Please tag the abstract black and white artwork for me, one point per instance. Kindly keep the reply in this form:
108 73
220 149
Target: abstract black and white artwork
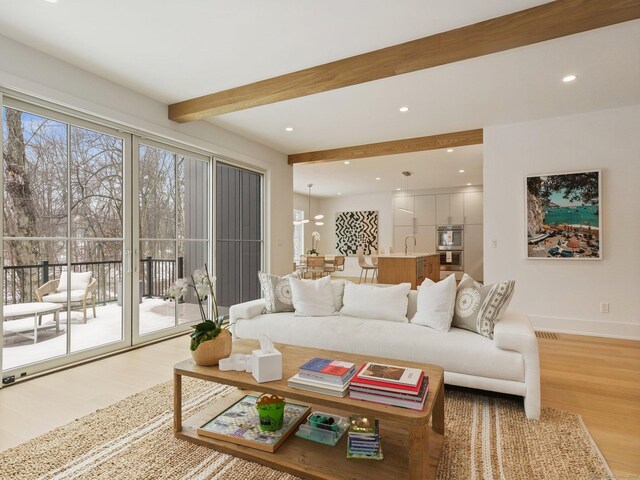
355 230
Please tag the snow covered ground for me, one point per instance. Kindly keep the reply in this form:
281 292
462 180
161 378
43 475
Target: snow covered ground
155 314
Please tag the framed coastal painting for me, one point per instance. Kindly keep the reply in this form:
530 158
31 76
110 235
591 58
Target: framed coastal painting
357 230
564 216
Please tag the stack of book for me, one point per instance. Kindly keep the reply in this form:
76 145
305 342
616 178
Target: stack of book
390 385
364 438
321 375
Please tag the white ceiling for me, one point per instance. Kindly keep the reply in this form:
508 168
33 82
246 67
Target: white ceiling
172 51
432 169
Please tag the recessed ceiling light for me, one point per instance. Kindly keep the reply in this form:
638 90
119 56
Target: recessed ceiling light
347 162
288 129
404 109
468 184
449 150
460 171
569 78
52 1
339 193
377 178
398 188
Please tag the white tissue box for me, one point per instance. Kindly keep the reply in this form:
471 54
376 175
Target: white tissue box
266 367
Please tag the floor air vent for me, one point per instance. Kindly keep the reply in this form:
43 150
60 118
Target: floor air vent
547 335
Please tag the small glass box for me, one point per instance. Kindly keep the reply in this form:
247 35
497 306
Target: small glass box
311 430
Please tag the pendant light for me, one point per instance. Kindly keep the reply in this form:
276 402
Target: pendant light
316 218
406 193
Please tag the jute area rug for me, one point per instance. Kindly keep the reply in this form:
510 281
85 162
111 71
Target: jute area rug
486 438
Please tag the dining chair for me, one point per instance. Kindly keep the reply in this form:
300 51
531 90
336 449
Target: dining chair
337 265
315 265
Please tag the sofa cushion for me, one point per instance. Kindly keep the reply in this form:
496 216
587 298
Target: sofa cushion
277 292
458 350
436 302
337 289
479 307
369 301
312 298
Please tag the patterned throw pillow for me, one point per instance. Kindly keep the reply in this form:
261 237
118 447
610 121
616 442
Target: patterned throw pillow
479 307
277 292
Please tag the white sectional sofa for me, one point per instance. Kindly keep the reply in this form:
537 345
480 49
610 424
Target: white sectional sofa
508 363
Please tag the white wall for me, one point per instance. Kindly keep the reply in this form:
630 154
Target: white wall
330 206
566 295
30 71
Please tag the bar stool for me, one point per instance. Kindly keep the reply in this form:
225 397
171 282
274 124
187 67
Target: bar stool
365 267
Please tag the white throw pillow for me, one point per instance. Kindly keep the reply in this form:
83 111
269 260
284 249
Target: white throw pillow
79 281
312 298
436 304
380 303
337 287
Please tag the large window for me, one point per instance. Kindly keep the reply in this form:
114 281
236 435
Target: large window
98 223
173 213
63 235
239 242
298 234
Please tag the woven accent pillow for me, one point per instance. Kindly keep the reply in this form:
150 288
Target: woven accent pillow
479 307
277 292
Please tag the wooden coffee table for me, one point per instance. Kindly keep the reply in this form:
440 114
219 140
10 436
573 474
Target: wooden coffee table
410 444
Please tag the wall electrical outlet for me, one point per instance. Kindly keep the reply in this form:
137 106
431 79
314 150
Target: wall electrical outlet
604 307
493 243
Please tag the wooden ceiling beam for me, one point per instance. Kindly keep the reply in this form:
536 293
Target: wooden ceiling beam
526 27
393 147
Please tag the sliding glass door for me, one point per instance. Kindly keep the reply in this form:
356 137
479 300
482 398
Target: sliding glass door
174 230
64 212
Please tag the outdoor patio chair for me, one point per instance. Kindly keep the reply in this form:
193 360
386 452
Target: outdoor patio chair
82 291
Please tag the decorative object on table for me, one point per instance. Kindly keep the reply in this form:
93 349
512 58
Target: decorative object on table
356 230
277 292
364 438
315 238
564 216
266 363
320 375
390 385
210 341
479 307
270 412
237 362
325 428
240 424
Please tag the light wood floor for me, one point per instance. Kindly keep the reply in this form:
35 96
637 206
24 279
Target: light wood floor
595 377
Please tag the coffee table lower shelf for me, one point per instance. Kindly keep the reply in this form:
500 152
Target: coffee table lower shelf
312 460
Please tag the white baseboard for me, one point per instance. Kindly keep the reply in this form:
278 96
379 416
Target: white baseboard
593 328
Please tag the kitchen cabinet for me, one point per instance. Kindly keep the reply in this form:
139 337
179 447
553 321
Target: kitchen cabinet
413 269
473 208
424 209
401 217
425 238
449 209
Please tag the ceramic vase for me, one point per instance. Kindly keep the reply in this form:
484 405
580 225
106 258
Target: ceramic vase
210 352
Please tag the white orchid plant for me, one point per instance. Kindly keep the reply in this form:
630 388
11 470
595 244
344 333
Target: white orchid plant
203 286
315 238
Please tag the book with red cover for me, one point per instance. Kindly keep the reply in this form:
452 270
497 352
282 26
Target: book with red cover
325 367
394 387
388 392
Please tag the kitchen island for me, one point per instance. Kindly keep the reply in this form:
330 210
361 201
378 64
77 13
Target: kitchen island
410 268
